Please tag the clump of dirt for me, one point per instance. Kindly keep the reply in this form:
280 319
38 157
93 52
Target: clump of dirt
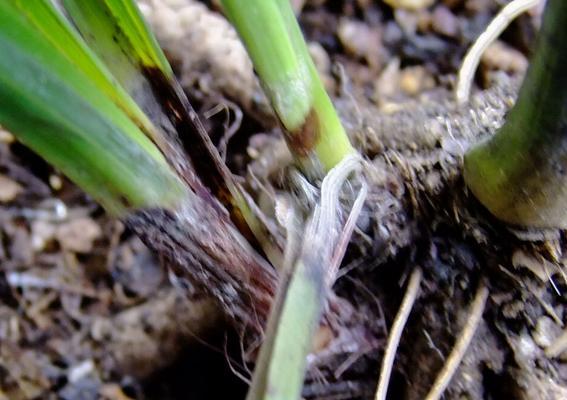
420 214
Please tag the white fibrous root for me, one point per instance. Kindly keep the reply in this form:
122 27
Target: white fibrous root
491 33
206 51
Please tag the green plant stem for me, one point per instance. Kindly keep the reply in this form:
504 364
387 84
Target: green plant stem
520 174
294 318
277 48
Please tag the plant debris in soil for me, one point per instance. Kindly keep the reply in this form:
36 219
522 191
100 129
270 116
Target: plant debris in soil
88 312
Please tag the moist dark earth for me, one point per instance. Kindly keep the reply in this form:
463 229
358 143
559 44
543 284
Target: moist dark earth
88 312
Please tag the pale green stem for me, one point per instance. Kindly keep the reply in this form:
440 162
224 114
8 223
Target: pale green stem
311 260
278 50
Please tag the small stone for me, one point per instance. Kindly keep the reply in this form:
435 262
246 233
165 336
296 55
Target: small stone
361 40
78 235
322 338
546 331
320 57
407 21
392 35
42 232
322 63
80 371
6 137
388 83
478 6
9 189
445 22
526 349
502 57
55 182
413 5
414 80
424 21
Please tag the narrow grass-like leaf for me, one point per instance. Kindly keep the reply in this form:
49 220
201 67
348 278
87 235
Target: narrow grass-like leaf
53 108
116 31
31 40
52 26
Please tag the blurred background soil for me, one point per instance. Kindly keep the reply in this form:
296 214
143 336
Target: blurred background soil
87 312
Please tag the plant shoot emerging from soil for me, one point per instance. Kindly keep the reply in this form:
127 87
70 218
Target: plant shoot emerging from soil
520 174
275 43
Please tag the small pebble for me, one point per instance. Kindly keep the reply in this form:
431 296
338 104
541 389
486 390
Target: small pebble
78 235
407 20
478 6
9 189
414 80
445 22
388 83
502 57
322 63
361 41
413 5
546 332
55 182
6 137
42 232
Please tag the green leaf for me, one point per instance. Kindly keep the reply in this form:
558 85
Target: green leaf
58 31
53 107
117 33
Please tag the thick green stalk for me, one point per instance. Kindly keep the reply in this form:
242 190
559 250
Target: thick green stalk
277 48
520 174
53 107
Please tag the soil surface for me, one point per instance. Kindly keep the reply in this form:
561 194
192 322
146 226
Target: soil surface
88 312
